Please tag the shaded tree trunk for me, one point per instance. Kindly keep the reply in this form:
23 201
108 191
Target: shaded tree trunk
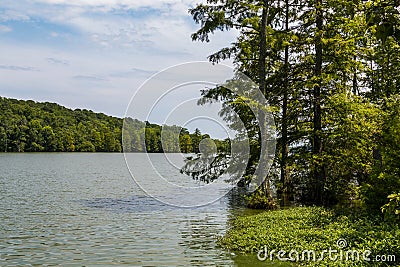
262 86
285 145
318 171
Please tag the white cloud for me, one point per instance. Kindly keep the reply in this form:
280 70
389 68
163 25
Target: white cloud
54 34
57 61
134 72
136 4
4 28
13 15
164 28
17 68
101 48
89 78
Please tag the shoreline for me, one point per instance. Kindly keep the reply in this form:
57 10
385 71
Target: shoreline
284 235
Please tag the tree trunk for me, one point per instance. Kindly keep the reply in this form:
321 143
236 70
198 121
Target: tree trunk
263 49
262 86
285 145
318 171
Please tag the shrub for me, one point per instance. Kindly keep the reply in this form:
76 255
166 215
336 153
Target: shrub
258 200
392 209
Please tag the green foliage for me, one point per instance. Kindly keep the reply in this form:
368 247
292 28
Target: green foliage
353 126
384 178
258 200
312 228
392 209
86 146
34 127
332 77
186 143
383 16
205 167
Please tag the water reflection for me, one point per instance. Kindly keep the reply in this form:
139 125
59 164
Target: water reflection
200 235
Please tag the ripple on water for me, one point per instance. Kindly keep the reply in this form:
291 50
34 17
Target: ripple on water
85 210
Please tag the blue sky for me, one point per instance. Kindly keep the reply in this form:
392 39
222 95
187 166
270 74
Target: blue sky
93 54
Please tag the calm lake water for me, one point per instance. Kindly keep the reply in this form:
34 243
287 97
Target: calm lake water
75 209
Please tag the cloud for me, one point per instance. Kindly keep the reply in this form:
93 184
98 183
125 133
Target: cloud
122 4
143 72
160 27
107 22
89 78
4 28
13 15
134 72
54 34
17 68
57 61
110 47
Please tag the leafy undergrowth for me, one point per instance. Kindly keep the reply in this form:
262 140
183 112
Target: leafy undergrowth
302 229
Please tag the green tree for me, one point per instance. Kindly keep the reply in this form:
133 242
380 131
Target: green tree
185 143
86 146
354 126
35 138
196 138
384 179
96 140
306 56
49 139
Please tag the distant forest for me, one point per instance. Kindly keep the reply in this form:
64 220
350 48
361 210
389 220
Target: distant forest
29 126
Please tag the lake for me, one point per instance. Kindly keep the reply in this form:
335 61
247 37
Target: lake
82 209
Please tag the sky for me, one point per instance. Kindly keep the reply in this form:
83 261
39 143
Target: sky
94 54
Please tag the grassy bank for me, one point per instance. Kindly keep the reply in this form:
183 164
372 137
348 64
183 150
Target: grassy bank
298 230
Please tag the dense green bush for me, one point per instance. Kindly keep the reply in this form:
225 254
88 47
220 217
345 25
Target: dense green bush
384 178
392 209
258 200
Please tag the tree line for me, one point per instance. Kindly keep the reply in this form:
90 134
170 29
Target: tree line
29 126
330 72
141 136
